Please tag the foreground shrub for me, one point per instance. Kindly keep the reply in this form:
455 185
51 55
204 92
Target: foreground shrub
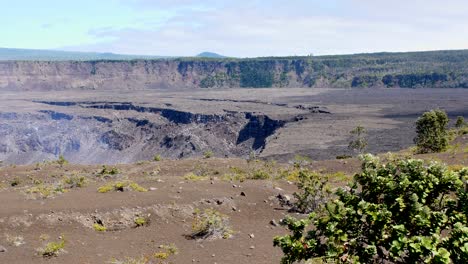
431 129
400 212
210 224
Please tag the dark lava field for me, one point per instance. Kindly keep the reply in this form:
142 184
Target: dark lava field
128 126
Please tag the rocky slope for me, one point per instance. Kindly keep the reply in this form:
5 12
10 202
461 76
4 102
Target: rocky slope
444 69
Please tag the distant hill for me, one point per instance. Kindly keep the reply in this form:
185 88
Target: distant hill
57 55
210 55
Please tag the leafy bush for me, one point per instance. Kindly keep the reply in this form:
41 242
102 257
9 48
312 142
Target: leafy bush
400 212
431 129
313 192
460 122
210 224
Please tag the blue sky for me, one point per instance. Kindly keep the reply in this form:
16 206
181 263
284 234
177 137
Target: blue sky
235 28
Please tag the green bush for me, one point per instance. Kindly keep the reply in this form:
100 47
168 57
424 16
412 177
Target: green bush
460 122
431 129
400 212
313 191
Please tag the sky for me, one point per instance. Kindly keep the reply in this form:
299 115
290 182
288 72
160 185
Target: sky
237 28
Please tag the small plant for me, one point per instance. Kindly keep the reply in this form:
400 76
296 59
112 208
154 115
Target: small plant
121 186
108 171
157 157
45 191
136 187
252 156
99 228
52 249
62 161
359 141
340 157
106 188
193 177
75 181
140 221
14 240
259 174
44 237
127 260
208 154
235 174
168 251
210 224
300 161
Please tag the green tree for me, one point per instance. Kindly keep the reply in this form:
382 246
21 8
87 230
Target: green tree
431 129
401 212
359 142
460 122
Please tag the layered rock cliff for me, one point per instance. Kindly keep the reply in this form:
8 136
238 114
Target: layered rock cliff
445 69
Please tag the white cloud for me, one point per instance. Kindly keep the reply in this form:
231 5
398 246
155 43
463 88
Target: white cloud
261 28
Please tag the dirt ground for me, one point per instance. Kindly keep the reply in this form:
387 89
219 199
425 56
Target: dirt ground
28 221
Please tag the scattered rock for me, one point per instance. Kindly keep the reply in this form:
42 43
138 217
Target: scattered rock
234 208
251 235
242 194
2 249
284 200
252 247
273 223
153 189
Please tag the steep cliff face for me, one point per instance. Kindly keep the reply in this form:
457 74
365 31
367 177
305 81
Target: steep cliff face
83 136
444 69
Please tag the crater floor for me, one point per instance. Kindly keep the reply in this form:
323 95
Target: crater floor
91 127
